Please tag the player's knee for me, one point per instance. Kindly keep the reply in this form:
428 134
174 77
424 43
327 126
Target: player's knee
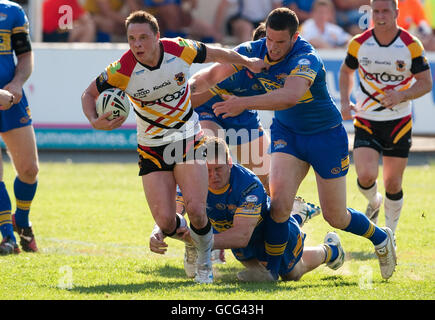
366 179
393 185
280 210
196 211
335 219
29 173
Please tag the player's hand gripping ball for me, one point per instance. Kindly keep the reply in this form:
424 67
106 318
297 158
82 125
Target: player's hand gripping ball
114 100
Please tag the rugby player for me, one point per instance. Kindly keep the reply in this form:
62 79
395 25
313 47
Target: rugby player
388 59
154 73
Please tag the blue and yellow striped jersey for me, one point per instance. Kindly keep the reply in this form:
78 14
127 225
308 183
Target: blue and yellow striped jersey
243 196
13 20
316 111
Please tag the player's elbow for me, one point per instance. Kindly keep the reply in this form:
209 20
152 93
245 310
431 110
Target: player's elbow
242 239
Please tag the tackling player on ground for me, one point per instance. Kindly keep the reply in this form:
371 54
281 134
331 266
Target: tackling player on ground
239 210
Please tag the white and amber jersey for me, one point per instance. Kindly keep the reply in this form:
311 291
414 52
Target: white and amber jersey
382 68
160 95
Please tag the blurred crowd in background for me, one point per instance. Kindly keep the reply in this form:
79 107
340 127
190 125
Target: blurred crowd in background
325 23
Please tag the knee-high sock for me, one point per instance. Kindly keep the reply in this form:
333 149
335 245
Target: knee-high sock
24 194
370 193
276 238
6 228
393 204
362 226
203 239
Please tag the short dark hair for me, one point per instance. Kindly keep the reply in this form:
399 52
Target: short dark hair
259 32
283 19
142 16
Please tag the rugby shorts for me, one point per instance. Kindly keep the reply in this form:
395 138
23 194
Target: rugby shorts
391 138
326 151
242 129
292 253
165 157
16 116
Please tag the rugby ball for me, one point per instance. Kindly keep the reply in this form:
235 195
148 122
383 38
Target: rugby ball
114 100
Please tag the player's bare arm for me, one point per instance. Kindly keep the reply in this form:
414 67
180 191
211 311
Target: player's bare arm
421 86
88 104
280 99
346 83
23 71
227 56
238 235
208 77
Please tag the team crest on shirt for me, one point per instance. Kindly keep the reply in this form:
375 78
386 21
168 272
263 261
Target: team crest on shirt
400 65
180 78
3 16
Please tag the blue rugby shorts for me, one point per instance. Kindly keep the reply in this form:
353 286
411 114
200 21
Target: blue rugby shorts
327 151
242 129
16 116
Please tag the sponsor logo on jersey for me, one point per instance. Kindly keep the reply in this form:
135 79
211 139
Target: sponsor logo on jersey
384 77
141 93
365 61
251 198
304 62
167 98
164 84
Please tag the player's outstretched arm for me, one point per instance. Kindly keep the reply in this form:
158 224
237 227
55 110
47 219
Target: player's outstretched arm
207 78
89 109
279 99
228 56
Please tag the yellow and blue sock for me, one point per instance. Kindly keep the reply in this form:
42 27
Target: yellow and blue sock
362 226
276 238
331 252
6 228
24 194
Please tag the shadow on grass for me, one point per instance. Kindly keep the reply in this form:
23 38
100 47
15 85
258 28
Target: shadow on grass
360 255
225 282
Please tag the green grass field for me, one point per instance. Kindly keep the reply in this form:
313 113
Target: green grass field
92 225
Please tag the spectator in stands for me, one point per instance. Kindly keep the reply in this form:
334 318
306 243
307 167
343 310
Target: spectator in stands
250 13
348 14
109 16
176 20
56 24
319 31
302 8
413 19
